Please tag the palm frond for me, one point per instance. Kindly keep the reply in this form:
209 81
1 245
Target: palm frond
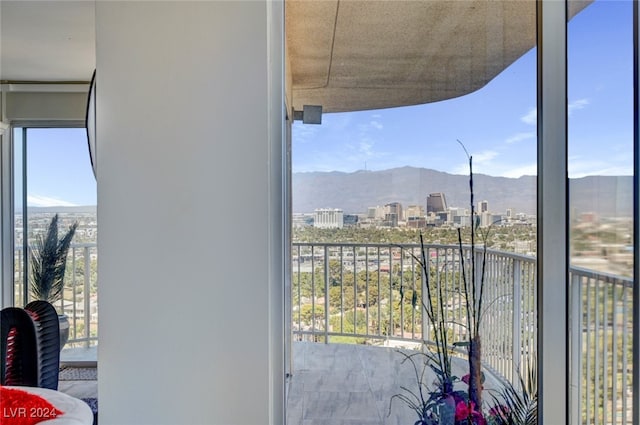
521 402
48 257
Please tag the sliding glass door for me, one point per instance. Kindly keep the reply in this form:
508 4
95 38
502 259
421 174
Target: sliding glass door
53 177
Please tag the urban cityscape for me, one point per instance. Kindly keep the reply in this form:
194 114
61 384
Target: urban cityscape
598 243
436 213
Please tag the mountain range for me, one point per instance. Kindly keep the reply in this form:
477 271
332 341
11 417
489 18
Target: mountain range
355 192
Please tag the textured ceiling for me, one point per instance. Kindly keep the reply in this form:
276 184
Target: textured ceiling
344 55
355 55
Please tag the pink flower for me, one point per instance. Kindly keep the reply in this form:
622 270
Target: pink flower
464 411
467 378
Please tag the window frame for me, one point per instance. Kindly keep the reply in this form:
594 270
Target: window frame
8 200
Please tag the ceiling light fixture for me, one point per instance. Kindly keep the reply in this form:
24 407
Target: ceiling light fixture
310 114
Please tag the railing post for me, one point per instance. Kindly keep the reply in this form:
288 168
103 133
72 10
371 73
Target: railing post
575 344
425 320
326 294
87 295
478 255
516 353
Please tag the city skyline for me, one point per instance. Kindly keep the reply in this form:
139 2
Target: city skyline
497 123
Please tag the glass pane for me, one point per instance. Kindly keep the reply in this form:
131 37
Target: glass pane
59 182
367 184
600 108
19 254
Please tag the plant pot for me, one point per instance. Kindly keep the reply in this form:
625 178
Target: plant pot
63 321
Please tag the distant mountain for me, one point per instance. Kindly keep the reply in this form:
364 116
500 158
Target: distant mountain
78 209
604 195
355 192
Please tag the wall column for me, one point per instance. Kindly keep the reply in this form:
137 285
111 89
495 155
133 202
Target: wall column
189 104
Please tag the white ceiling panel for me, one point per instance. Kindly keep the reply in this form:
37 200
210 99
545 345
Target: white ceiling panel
47 40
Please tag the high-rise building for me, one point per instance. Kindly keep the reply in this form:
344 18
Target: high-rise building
486 219
414 211
393 214
350 219
436 202
483 206
416 222
390 220
325 218
302 220
376 212
394 208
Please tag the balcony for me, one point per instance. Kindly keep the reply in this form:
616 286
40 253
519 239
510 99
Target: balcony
361 359
81 310
380 310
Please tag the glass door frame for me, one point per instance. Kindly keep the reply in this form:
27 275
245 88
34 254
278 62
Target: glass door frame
8 199
552 261
557 405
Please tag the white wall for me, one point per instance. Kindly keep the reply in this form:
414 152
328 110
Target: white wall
189 131
51 106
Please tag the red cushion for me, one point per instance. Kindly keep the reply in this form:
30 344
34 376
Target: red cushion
19 407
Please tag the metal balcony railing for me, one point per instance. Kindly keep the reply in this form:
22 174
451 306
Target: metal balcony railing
364 293
79 302
601 344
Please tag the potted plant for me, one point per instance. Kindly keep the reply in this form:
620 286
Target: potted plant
441 404
48 257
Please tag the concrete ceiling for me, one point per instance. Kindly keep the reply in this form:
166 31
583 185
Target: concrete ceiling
354 55
344 55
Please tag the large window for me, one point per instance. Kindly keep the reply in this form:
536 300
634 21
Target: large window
53 176
600 149
368 184
561 264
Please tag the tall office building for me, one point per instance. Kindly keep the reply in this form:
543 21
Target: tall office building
486 219
325 218
393 214
394 208
436 202
414 211
483 206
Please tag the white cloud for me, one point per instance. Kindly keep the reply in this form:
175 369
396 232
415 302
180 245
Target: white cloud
530 117
365 148
519 137
44 201
580 168
460 169
577 104
483 157
304 133
482 161
376 124
497 168
523 170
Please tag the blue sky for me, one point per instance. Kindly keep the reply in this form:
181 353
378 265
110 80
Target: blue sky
59 168
498 122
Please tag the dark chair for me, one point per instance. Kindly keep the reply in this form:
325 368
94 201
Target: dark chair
18 348
45 317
